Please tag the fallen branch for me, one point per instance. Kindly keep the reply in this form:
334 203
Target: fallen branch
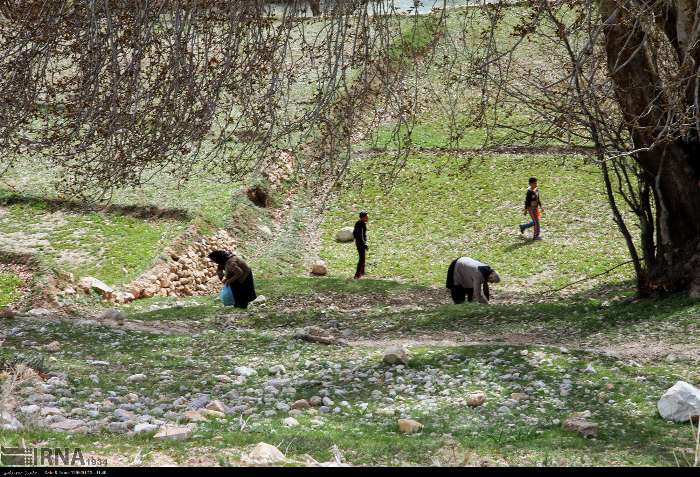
589 278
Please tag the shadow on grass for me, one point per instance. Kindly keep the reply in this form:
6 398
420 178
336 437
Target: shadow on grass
137 211
522 243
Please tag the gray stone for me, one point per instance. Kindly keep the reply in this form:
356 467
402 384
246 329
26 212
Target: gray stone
93 284
244 371
199 402
8 422
344 235
277 369
118 427
123 415
136 378
290 422
680 403
174 433
29 410
68 425
144 427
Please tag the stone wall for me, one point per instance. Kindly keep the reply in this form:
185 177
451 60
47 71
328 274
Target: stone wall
185 273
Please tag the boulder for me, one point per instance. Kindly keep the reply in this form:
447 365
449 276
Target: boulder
680 403
88 284
396 355
409 426
344 235
264 453
319 268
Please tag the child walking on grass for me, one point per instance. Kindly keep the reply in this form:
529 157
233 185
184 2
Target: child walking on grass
533 206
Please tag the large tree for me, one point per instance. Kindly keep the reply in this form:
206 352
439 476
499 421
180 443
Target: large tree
620 76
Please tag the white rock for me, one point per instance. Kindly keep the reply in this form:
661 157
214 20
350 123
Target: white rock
277 369
177 433
264 453
144 427
31 409
344 235
39 312
8 422
92 283
136 378
680 402
290 422
244 371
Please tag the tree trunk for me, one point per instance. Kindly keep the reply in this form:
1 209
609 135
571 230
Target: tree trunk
315 7
677 193
671 167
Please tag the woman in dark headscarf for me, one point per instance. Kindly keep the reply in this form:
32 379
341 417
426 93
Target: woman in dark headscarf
236 274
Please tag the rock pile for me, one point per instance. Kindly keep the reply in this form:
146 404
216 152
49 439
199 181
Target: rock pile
187 273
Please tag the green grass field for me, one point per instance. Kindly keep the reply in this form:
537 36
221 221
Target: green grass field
439 210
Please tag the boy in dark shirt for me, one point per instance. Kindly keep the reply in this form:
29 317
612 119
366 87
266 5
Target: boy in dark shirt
533 206
360 235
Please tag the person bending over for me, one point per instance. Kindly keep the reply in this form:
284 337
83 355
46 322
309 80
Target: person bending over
235 274
466 277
